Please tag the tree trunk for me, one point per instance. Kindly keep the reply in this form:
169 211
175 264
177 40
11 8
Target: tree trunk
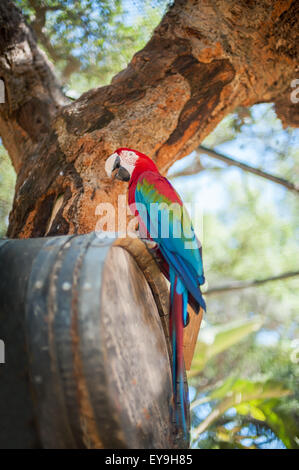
204 59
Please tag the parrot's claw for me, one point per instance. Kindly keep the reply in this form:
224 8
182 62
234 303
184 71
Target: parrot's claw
150 245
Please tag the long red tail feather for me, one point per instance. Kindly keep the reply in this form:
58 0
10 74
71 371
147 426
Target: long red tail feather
178 311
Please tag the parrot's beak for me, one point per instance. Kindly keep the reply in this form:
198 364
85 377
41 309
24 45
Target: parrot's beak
122 174
115 170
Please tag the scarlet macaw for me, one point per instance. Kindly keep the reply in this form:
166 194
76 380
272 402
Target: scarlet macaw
163 218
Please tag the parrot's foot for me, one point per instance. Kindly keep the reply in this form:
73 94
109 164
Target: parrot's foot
150 245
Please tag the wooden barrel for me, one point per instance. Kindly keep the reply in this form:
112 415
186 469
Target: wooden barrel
87 354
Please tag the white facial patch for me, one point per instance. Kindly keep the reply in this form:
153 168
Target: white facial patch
109 164
128 160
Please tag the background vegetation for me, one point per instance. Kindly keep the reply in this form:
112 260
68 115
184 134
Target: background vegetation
244 379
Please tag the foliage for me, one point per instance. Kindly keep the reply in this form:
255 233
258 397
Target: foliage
7 185
215 339
90 41
240 412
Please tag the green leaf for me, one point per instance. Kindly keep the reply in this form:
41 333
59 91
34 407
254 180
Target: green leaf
250 409
282 423
246 396
213 340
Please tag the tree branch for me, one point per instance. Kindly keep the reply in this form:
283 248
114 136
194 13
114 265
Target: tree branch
32 93
238 285
198 66
256 171
38 24
193 169
196 167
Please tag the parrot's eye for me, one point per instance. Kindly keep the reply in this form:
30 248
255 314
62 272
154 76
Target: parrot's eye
116 163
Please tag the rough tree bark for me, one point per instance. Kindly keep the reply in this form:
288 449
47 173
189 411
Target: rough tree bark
204 59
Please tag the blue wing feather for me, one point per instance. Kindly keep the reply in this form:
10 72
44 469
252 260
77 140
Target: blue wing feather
182 253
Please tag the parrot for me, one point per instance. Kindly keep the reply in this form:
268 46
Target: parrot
164 220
